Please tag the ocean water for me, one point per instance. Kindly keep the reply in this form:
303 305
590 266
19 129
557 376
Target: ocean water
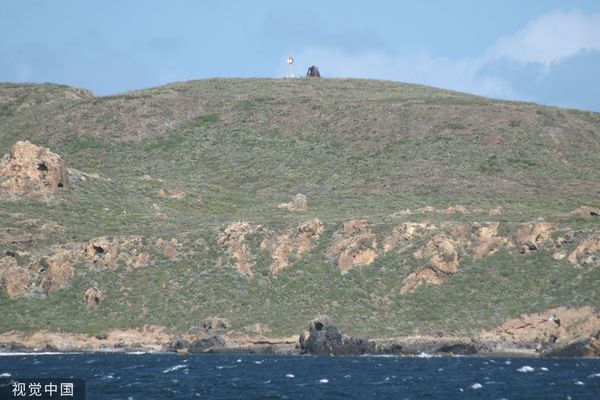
244 376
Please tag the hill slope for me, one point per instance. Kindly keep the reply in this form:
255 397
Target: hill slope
427 205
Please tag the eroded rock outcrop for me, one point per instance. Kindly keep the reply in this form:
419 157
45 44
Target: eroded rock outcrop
92 298
48 270
234 238
59 270
293 243
531 236
552 329
324 338
353 245
587 253
108 253
15 280
488 240
32 170
441 255
402 237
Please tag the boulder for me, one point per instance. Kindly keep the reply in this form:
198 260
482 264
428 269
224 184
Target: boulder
32 170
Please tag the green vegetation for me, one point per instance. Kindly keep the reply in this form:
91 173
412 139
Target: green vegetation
358 149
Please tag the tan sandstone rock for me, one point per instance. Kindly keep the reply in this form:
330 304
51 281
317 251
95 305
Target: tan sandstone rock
585 253
234 238
531 236
92 298
354 245
15 280
32 170
292 243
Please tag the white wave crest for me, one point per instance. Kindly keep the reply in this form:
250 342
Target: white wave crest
526 368
174 368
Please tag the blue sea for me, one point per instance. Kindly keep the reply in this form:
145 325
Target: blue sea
246 376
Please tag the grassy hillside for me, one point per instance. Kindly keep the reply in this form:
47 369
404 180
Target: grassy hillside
356 148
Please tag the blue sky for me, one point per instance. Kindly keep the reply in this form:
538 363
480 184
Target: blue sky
546 51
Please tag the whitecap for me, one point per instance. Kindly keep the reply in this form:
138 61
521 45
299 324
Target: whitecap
289 376
269 381
5 375
136 352
476 386
239 360
594 375
43 353
174 368
508 362
425 355
544 369
526 368
346 376
579 383
323 380
258 362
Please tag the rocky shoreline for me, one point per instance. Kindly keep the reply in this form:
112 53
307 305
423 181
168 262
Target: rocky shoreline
322 338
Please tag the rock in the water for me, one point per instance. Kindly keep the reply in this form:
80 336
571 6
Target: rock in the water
324 338
32 170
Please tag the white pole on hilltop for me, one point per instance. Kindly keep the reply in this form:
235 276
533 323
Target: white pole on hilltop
290 61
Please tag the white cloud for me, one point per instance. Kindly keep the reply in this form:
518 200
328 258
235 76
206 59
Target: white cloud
550 38
543 43
419 67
